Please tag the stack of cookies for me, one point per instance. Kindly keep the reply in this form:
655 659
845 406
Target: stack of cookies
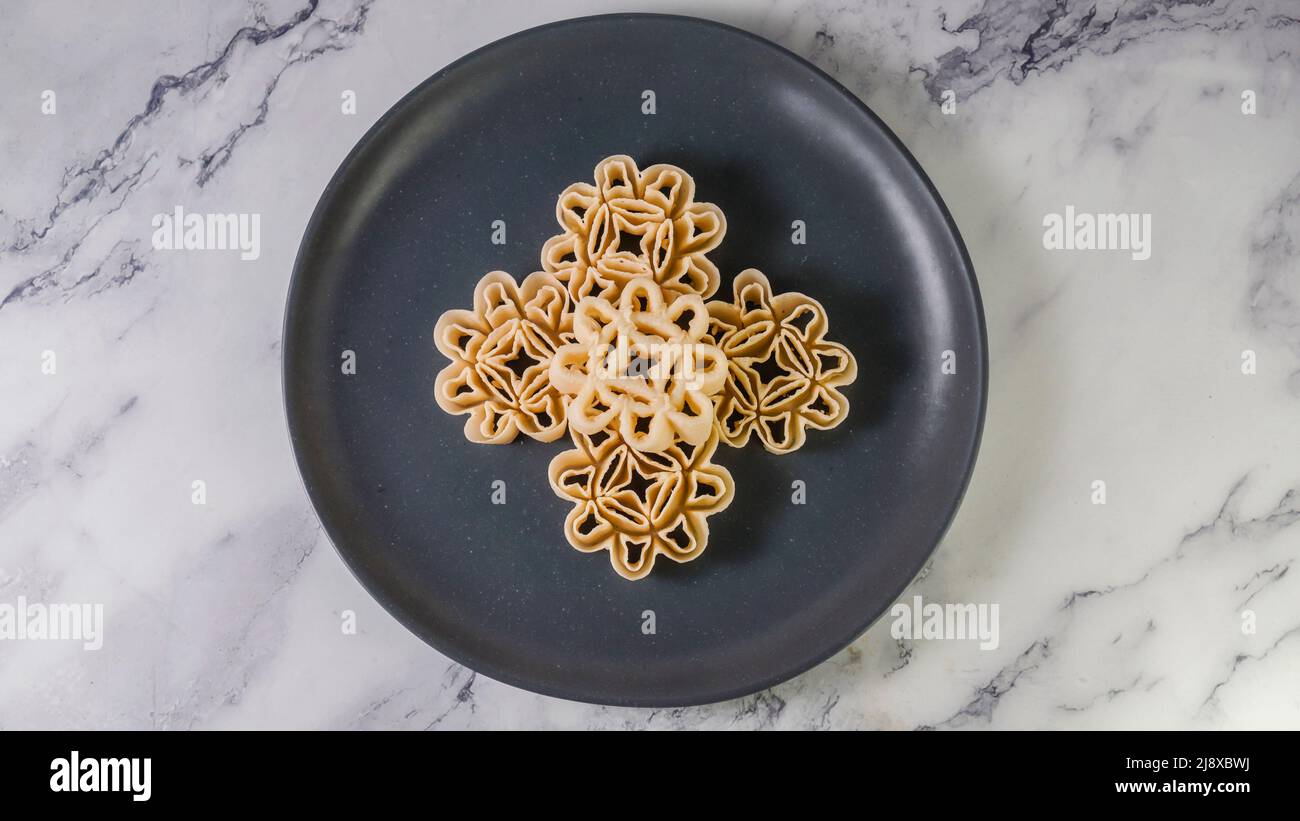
612 342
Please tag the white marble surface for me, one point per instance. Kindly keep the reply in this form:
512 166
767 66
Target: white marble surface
1103 368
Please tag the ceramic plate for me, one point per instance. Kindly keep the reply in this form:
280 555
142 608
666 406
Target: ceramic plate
403 233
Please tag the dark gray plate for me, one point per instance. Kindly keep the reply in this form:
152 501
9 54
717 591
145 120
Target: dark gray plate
402 233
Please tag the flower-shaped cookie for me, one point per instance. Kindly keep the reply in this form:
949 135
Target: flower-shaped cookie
639 505
500 356
614 343
640 368
631 223
783 376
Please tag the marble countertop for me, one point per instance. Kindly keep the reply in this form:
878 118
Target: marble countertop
1174 380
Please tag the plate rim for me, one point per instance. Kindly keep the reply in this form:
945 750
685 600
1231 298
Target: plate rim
480 666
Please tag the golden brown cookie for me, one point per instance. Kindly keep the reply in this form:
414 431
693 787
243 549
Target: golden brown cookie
641 368
500 356
639 506
783 375
633 223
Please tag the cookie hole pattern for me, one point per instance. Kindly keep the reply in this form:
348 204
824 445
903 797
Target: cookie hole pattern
647 406
499 354
657 508
784 376
630 215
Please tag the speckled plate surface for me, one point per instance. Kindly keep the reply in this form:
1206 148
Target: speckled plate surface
402 233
